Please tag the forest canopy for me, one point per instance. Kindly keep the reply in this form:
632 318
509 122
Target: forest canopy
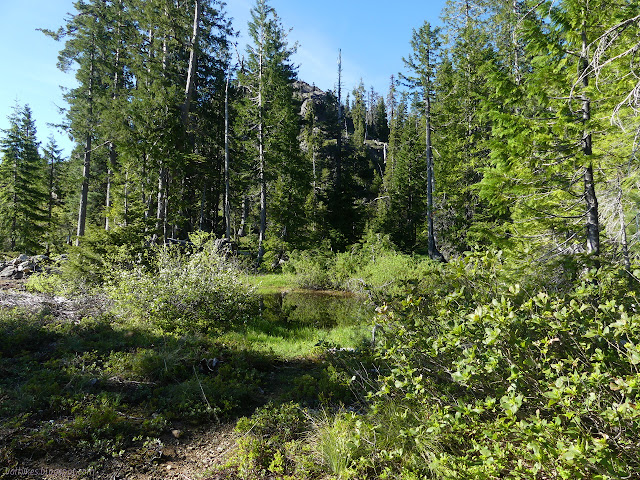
513 127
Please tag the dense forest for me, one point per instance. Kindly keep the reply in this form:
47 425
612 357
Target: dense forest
513 126
485 208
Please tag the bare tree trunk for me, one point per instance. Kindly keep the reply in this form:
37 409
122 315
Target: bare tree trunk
263 199
261 160
515 43
113 155
110 170
52 173
84 193
339 139
161 211
591 200
126 199
242 231
143 188
86 169
191 75
203 199
227 201
14 209
432 248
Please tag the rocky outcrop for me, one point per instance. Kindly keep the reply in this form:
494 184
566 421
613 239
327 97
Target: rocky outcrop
23 266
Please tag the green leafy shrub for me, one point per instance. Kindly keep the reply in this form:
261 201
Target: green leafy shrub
520 386
312 269
102 253
198 292
50 284
373 267
267 437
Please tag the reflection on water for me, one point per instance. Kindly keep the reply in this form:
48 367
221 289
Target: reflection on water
315 309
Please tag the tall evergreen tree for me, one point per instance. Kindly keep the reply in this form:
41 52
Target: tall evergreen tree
23 194
268 116
461 87
549 153
422 64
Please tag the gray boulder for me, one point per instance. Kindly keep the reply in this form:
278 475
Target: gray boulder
8 272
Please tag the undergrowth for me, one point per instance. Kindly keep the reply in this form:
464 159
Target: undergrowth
486 367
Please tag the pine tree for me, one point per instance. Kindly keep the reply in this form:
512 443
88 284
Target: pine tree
422 65
23 197
462 134
57 191
358 113
268 116
549 153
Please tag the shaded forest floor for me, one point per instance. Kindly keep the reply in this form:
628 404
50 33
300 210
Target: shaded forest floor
84 397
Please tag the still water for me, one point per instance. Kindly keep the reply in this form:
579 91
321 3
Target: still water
317 309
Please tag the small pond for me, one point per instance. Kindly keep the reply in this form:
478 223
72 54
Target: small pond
318 309
292 323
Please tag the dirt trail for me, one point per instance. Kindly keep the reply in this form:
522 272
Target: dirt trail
182 454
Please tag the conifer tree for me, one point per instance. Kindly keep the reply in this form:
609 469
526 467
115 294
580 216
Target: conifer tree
422 66
359 116
550 152
23 197
267 116
461 87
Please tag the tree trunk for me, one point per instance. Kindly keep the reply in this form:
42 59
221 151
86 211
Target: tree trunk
126 199
14 219
242 231
263 199
52 173
591 200
261 160
161 211
112 149
84 194
432 248
86 169
339 139
191 74
227 202
203 199
110 170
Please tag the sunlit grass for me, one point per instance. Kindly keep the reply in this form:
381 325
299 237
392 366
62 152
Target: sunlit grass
302 341
271 282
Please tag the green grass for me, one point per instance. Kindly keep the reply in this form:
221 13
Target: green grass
271 282
301 341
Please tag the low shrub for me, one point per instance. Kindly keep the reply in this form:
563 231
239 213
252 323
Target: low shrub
267 438
312 269
522 386
182 293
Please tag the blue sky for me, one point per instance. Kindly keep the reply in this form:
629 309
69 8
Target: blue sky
373 35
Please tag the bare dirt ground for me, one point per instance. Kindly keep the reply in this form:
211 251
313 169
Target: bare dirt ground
181 455
13 294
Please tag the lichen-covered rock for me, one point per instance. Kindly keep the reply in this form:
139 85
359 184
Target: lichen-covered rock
8 272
